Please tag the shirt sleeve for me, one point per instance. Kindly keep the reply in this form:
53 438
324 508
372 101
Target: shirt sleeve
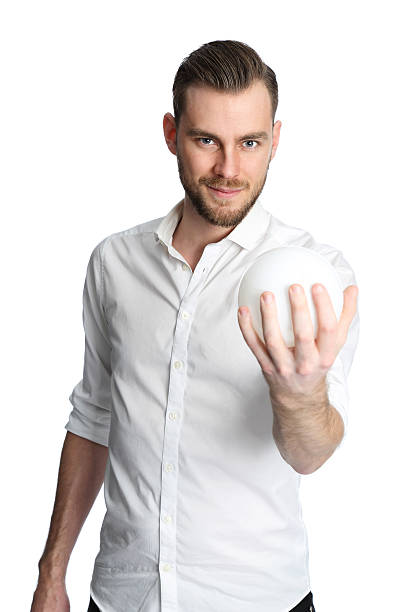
91 397
337 375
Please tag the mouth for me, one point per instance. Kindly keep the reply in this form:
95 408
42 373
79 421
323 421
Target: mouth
225 193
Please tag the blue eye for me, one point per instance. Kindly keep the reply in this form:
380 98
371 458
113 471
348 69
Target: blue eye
253 141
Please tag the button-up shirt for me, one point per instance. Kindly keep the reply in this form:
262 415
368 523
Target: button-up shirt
202 512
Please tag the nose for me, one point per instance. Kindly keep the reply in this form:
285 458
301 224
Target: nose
227 163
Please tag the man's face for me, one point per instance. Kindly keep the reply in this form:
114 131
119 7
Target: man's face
225 141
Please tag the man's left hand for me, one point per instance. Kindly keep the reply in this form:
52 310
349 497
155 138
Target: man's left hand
300 370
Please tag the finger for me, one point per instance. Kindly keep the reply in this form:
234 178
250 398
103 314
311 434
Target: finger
274 341
350 298
305 348
253 340
327 326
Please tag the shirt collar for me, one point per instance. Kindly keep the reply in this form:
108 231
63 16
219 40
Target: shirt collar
246 234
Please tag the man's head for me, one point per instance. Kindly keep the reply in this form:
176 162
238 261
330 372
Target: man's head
223 130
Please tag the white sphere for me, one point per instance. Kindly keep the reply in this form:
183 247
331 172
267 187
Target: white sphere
276 270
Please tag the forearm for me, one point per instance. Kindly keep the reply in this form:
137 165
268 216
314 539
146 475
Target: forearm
80 476
307 430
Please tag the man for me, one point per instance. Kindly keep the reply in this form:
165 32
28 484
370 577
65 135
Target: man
198 428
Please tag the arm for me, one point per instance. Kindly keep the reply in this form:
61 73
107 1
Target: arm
85 450
80 477
307 427
307 431
81 473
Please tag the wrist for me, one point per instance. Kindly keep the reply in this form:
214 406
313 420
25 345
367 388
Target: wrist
316 399
50 571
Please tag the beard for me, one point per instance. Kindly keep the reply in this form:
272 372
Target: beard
220 215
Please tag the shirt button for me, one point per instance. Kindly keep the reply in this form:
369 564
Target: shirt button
185 314
169 467
167 518
173 416
166 567
178 364
185 266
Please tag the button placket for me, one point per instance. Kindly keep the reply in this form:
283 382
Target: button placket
172 431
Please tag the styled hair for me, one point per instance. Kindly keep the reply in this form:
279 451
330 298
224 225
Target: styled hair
225 65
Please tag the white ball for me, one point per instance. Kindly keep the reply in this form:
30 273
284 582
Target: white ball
276 270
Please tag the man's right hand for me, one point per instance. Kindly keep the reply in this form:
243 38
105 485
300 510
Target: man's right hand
50 597
80 477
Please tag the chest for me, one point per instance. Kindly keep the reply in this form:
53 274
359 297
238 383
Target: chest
158 316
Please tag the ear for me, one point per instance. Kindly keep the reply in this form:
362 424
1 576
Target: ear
275 137
170 132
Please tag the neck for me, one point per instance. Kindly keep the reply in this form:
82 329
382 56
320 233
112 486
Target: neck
193 232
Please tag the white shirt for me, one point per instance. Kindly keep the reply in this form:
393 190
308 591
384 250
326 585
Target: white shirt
202 512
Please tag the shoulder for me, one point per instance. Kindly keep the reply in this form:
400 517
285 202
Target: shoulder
284 234
131 235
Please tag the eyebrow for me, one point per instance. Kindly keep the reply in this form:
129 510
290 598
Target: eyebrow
251 136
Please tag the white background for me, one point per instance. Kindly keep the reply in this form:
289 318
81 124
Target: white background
85 86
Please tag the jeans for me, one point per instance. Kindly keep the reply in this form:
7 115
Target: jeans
306 605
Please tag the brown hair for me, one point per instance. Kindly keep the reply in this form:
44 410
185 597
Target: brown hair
226 65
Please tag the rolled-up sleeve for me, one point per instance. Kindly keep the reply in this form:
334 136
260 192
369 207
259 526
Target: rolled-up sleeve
337 376
91 397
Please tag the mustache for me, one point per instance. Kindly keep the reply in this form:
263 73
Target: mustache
220 185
